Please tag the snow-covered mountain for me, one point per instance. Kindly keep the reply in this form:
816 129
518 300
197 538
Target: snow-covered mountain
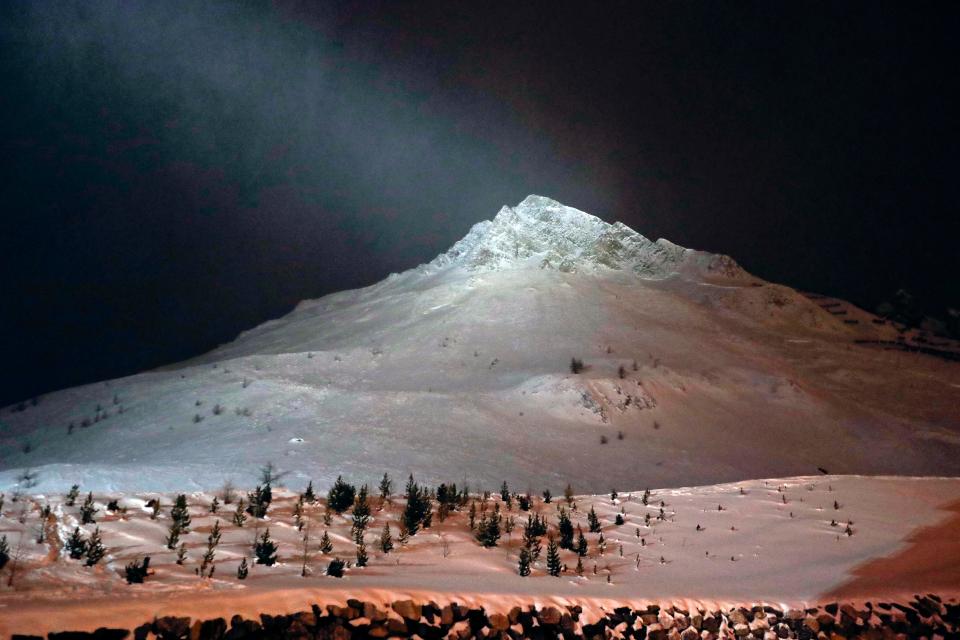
458 370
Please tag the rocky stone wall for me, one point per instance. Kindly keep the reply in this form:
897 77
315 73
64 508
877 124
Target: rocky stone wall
923 617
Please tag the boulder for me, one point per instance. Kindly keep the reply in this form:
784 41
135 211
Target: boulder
407 609
209 629
373 613
498 622
550 615
172 628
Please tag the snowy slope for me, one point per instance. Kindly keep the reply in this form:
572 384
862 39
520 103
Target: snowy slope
458 370
713 546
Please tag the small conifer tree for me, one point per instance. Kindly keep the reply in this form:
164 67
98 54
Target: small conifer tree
335 568
243 569
95 549
489 531
386 488
361 515
4 551
547 496
553 557
87 510
386 539
181 514
265 549
361 555
472 516
181 553
173 536
75 545
523 566
593 521
566 530
309 495
239 514
72 495
581 542
341 495
326 546
206 563
215 505
137 571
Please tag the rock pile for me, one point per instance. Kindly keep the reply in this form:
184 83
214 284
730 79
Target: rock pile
925 616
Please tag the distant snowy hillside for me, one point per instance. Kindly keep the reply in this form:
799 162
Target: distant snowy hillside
459 370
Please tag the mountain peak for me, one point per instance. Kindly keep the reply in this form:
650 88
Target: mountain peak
540 232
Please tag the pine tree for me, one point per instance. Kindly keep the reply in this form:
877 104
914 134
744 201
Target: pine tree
243 569
72 495
531 540
386 540
579 565
361 555
306 553
504 491
309 495
619 519
136 571
181 553
568 494
181 514
95 549
523 567
335 568
173 537
593 521
361 515
553 557
215 505
547 496
87 510
489 530
265 549
581 542
341 495
239 514
566 530
417 511
524 502
75 545
4 551
576 365
259 501
601 544
206 564
386 488
326 546
298 513
472 516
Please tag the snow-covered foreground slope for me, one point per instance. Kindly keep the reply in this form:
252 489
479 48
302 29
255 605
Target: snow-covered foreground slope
758 541
458 370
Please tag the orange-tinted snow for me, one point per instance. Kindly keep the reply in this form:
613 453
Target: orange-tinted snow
930 564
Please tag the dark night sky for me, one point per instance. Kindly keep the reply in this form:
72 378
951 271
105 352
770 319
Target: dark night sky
174 173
